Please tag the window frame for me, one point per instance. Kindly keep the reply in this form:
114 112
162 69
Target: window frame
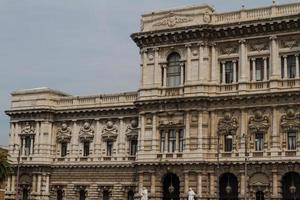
228 147
294 138
173 70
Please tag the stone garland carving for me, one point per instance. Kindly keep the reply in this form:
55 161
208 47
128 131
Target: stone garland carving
27 129
229 49
259 46
172 20
132 130
227 125
259 123
290 121
64 134
289 43
86 133
110 131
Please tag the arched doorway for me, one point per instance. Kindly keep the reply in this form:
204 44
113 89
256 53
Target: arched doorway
171 187
291 186
260 195
228 187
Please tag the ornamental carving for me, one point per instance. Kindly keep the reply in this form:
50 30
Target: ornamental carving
259 123
110 131
229 49
86 133
27 129
259 46
132 130
64 133
172 20
228 125
290 121
289 43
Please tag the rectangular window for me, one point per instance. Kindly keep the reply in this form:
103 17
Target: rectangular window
64 148
172 140
292 141
228 143
109 148
162 141
291 66
259 141
229 72
259 71
86 148
27 145
133 147
181 141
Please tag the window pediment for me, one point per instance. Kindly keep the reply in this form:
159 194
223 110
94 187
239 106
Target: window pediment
290 121
132 130
259 123
227 125
86 133
64 134
27 130
110 131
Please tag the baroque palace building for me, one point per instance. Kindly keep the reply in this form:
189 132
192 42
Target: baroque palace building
217 110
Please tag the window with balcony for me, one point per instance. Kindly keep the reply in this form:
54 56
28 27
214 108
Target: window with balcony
86 148
173 70
228 72
228 143
292 141
259 141
64 148
289 66
109 148
133 147
259 71
172 140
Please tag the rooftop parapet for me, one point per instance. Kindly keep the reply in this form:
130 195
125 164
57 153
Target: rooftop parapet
204 15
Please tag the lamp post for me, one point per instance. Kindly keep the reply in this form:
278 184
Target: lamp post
293 189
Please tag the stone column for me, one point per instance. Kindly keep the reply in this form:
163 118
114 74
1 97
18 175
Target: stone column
244 128
152 190
157 68
265 69
234 71
142 132
243 62
186 182
34 183
200 130
214 68
275 183
200 57
182 74
154 133
187 131
275 131
47 184
243 186
164 68
23 146
74 141
285 67
13 183
297 65
8 184
188 63
199 184
39 183
223 72
212 184
253 69
141 180
274 61
144 52
31 144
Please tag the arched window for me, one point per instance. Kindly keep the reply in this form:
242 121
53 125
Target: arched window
173 70
130 195
105 195
59 195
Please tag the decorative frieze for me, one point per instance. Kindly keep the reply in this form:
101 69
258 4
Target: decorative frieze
259 123
64 133
290 121
110 131
132 130
86 133
227 125
28 129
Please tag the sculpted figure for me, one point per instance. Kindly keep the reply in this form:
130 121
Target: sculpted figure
28 129
191 194
110 128
144 194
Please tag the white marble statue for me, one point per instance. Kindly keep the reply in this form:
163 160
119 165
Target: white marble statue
144 194
191 194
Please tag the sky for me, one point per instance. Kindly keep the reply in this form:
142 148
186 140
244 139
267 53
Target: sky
81 47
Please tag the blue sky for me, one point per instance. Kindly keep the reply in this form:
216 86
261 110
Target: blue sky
81 47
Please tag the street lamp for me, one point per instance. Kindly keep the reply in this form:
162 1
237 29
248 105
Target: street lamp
293 188
228 187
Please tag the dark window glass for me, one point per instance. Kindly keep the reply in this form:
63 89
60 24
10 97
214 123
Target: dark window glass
292 142
228 143
109 148
259 141
82 195
86 148
64 147
259 71
291 66
105 195
162 141
133 147
173 70
181 140
59 195
27 145
130 195
25 194
228 72
172 140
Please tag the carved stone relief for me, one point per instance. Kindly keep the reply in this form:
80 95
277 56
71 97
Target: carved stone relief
290 121
86 133
259 122
64 133
110 131
172 20
228 49
259 46
27 129
132 130
289 43
227 125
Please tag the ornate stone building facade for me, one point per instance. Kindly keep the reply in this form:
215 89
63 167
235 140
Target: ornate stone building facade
217 111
